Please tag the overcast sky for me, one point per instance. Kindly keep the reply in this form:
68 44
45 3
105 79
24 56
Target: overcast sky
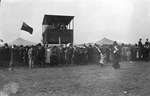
121 20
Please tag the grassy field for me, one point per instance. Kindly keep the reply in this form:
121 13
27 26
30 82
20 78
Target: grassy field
132 79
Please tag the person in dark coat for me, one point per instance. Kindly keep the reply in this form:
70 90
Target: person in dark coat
146 50
134 52
89 53
54 56
76 55
116 55
62 55
41 55
69 54
140 49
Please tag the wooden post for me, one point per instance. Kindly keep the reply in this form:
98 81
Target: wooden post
73 31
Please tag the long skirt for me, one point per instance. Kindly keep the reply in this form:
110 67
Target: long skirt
115 62
102 59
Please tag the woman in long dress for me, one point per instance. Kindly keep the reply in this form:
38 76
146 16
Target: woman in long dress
102 56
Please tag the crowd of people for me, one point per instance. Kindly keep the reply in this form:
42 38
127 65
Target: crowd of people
137 52
143 50
40 55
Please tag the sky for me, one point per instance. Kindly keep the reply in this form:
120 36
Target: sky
121 20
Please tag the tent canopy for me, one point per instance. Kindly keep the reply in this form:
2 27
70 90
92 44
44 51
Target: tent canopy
105 41
57 19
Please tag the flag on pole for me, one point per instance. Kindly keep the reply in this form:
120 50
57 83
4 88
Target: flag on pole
27 28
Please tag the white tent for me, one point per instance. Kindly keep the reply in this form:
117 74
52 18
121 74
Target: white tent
105 41
20 41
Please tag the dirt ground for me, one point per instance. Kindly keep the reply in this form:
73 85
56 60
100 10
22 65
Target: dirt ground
132 79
